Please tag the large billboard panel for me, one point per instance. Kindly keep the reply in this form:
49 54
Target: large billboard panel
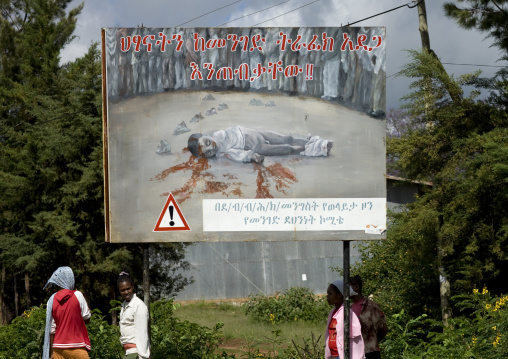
244 134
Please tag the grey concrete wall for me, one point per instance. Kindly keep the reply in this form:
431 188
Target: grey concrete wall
237 269
231 270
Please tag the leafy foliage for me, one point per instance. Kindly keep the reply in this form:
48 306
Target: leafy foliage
460 146
51 167
406 335
478 332
32 34
456 230
486 16
174 338
166 266
24 337
294 304
171 338
104 338
388 268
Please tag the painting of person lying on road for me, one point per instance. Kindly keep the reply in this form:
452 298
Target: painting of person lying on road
243 144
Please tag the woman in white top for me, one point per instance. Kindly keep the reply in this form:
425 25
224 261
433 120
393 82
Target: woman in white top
133 321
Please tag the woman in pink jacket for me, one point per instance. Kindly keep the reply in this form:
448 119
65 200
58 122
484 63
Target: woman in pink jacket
334 336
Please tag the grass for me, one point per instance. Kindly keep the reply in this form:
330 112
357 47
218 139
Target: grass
241 332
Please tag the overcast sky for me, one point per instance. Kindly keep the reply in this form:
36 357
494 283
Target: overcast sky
451 43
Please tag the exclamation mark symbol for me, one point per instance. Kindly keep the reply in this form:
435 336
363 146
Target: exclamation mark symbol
171 223
310 70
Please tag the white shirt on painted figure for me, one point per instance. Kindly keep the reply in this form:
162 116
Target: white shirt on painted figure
231 143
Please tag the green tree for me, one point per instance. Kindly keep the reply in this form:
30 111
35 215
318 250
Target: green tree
462 150
489 16
51 168
32 33
461 147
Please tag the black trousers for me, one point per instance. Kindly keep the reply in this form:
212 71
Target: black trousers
373 355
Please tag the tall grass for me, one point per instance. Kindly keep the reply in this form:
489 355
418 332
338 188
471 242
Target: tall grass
237 325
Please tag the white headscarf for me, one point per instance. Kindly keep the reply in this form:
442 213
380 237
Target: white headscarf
64 278
339 284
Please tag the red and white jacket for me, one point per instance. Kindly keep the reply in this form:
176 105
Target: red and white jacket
69 314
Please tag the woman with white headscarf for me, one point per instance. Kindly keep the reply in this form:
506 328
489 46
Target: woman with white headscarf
334 337
66 336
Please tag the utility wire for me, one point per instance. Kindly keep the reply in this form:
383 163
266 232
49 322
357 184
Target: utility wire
253 13
285 13
384 12
208 13
414 2
452 63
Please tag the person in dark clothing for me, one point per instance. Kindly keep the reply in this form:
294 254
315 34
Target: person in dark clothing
372 319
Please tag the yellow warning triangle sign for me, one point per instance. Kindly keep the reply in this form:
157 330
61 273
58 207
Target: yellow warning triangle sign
171 218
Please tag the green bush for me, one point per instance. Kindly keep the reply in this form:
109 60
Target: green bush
292 305
406 335
104 338
479 332
24 337
171 338
174 338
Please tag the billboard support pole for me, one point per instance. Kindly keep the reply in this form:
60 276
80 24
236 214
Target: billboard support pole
346 260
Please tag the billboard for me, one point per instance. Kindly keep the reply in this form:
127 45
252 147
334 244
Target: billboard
244 134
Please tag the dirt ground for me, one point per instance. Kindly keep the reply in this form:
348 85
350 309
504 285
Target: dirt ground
242 346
